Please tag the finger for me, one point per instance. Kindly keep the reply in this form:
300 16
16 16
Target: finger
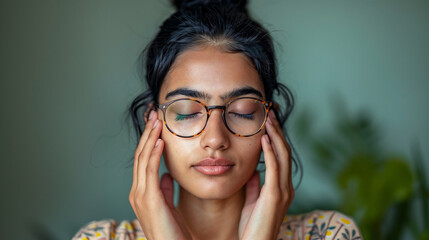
282 154
152 170
252 189
288 176
273 120
272 172
148 128
146 114
139 148
146 152
276 125
167 188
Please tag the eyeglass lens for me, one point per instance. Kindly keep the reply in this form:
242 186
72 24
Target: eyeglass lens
243 116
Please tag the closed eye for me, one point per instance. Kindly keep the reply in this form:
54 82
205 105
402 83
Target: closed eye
245 116
181 117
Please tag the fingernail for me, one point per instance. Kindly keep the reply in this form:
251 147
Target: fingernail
269 118
267 138
156 123
151 115
157 142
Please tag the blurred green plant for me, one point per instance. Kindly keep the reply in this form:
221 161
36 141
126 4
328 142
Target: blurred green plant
383 192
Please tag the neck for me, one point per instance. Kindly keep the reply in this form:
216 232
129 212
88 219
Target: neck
211 218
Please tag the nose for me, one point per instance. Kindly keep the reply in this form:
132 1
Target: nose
215 135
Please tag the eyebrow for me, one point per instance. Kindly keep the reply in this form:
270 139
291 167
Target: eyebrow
203 95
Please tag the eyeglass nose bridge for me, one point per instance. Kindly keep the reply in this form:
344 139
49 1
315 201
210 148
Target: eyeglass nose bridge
215 107
223 108
209 108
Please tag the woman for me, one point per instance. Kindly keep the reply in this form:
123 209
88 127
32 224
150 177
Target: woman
209 111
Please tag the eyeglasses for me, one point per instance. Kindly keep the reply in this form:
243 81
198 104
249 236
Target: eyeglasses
188 117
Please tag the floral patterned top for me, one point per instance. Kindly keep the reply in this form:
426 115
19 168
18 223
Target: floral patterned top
316 225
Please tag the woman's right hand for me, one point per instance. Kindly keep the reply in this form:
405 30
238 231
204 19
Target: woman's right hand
152 201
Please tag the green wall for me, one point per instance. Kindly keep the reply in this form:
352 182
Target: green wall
68 72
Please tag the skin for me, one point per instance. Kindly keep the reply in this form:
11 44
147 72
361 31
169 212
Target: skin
232 201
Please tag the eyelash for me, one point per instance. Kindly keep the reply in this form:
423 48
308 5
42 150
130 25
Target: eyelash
246 116
181 117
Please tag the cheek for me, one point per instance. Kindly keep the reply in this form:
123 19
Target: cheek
170 150
253 146
250 152
176 151
255 149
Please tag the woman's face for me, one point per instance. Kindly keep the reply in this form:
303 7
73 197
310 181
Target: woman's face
214 73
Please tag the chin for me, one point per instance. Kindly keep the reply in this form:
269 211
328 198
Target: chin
210 194
213 188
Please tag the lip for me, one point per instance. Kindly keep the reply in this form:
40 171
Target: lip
212 167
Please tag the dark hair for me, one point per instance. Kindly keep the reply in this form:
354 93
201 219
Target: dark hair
226 25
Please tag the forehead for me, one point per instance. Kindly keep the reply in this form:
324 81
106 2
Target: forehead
212 71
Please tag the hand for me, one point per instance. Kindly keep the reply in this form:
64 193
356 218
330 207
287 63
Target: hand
263 213
153 202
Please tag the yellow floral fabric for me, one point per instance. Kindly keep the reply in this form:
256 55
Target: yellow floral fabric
316 225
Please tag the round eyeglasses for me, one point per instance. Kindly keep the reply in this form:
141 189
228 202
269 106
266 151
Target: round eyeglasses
188 117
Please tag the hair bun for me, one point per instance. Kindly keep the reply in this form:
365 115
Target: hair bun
182 4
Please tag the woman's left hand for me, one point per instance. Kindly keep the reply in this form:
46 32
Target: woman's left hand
265 209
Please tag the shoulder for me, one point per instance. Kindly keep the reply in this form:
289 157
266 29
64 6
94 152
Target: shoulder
319 225
110 229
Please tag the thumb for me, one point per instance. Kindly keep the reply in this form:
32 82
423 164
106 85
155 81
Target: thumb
252 189
167 189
